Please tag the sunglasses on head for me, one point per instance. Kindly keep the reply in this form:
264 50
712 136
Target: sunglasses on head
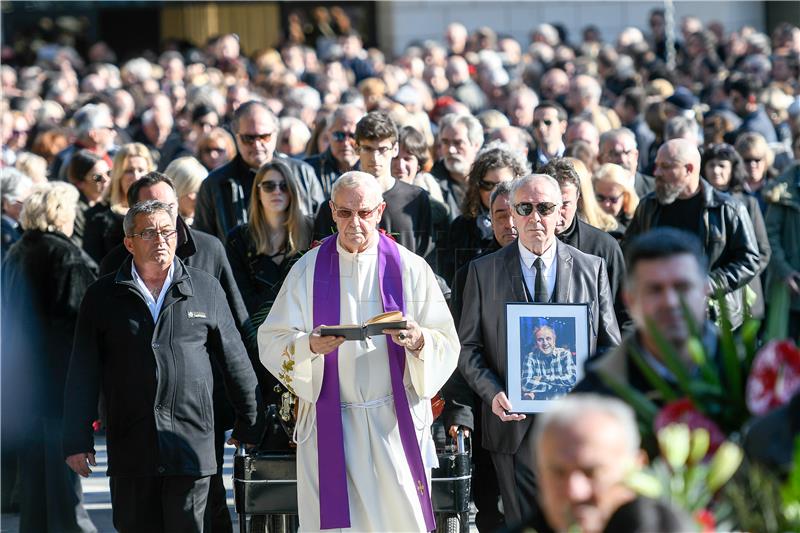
271 186
525 209
251 139
341 136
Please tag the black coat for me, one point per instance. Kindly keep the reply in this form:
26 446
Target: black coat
103 231
465 241
156 377
44 279
223 199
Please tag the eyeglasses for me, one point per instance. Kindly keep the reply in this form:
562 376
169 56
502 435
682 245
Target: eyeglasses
487 186
602 198
537 123
544 209
100 178
380 150
150 234
347 213
341 136
751 160
271 186
251 139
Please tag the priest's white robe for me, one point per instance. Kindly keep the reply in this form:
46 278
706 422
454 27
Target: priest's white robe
381 490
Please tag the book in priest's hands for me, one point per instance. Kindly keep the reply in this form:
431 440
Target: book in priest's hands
373 326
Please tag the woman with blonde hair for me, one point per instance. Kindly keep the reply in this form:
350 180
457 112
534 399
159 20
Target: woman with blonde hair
215 148
45 276
262 251
758 158
187 174
104 222
588 210
615 195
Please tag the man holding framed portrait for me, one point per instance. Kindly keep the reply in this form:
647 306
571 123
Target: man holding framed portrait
539 269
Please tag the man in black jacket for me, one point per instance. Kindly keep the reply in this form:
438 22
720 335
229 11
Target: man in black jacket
224 197
204 252
147 336
620 147
685 201
342 154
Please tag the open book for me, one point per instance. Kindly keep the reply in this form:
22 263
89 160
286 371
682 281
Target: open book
373 326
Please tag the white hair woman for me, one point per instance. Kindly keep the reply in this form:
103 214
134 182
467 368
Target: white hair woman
44 278
187 174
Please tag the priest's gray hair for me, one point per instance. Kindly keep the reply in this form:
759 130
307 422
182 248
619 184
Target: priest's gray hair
570 410
148 207
517 184
355 179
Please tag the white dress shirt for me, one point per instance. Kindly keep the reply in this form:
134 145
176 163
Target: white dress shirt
550 268
152 304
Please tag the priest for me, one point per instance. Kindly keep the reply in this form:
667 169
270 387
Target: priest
364 446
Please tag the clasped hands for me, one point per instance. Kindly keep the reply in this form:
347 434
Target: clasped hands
409 337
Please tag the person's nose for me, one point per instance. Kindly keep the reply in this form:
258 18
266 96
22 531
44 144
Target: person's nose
579 487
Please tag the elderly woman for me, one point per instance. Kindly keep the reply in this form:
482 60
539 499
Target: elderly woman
262 251
471 232
616 195
89 173
187 174
215 148
44 278
104 221
14 188
722 167
758 158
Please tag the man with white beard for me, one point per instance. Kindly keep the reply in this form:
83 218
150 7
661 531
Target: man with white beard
460 139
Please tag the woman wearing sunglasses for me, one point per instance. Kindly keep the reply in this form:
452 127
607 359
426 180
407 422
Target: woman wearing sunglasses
616 196
262 251
471 232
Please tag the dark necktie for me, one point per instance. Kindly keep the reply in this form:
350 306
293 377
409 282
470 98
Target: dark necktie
540 288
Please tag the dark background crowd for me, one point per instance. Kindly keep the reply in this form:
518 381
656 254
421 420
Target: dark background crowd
252 142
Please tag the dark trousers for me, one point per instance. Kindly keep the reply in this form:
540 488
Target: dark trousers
485 491
517 481
159 504
218 517
51 499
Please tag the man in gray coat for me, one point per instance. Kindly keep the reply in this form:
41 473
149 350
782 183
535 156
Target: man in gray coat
539 268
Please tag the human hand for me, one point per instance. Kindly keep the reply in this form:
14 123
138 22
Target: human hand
501 407
78 463
454 431
410 337
793 281
323 345
239 444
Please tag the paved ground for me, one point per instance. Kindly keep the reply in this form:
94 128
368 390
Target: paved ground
97 498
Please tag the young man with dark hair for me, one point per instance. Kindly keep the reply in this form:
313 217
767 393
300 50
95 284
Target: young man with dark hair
743 94
407 217
549 127
630 108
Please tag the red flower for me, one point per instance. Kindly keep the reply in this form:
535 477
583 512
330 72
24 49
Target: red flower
97 425
705 519
774 376
683 412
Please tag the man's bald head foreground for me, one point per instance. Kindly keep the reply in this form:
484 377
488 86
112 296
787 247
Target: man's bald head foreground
677 171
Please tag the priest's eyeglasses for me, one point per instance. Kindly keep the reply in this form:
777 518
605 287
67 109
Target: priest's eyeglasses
151 234
347 213
525 209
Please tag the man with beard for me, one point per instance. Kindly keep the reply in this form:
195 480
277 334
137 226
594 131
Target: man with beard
460 139
549 371
685 201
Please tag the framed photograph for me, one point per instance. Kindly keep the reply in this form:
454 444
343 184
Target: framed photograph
548 345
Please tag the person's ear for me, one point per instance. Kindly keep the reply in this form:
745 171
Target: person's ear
128 242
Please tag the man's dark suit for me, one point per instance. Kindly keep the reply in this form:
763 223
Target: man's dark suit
493 281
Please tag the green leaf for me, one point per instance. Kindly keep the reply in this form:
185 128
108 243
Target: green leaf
731 363
646 409
778 315
750 340
660 384
670 357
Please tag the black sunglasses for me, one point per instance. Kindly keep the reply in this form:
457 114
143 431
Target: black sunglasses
251 139
525 209
270 186
487 186
341 136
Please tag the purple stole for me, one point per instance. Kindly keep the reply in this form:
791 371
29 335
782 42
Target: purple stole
334 506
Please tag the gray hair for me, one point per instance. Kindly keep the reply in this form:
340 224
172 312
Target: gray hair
517 184
355 179
148 207
679 126
502 189
50 207
342 111
569 410
303 97
90 117
613 135
473 125
187 174
13 184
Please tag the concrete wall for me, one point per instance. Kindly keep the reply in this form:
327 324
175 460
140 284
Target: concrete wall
399 23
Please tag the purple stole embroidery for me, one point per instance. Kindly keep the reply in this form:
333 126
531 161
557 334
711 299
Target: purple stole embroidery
334 506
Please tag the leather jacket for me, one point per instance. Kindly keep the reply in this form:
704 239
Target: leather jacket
728 239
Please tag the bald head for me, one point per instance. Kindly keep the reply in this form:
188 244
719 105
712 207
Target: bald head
684 152
677 171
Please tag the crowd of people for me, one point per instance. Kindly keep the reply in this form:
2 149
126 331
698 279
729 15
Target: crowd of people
638 179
